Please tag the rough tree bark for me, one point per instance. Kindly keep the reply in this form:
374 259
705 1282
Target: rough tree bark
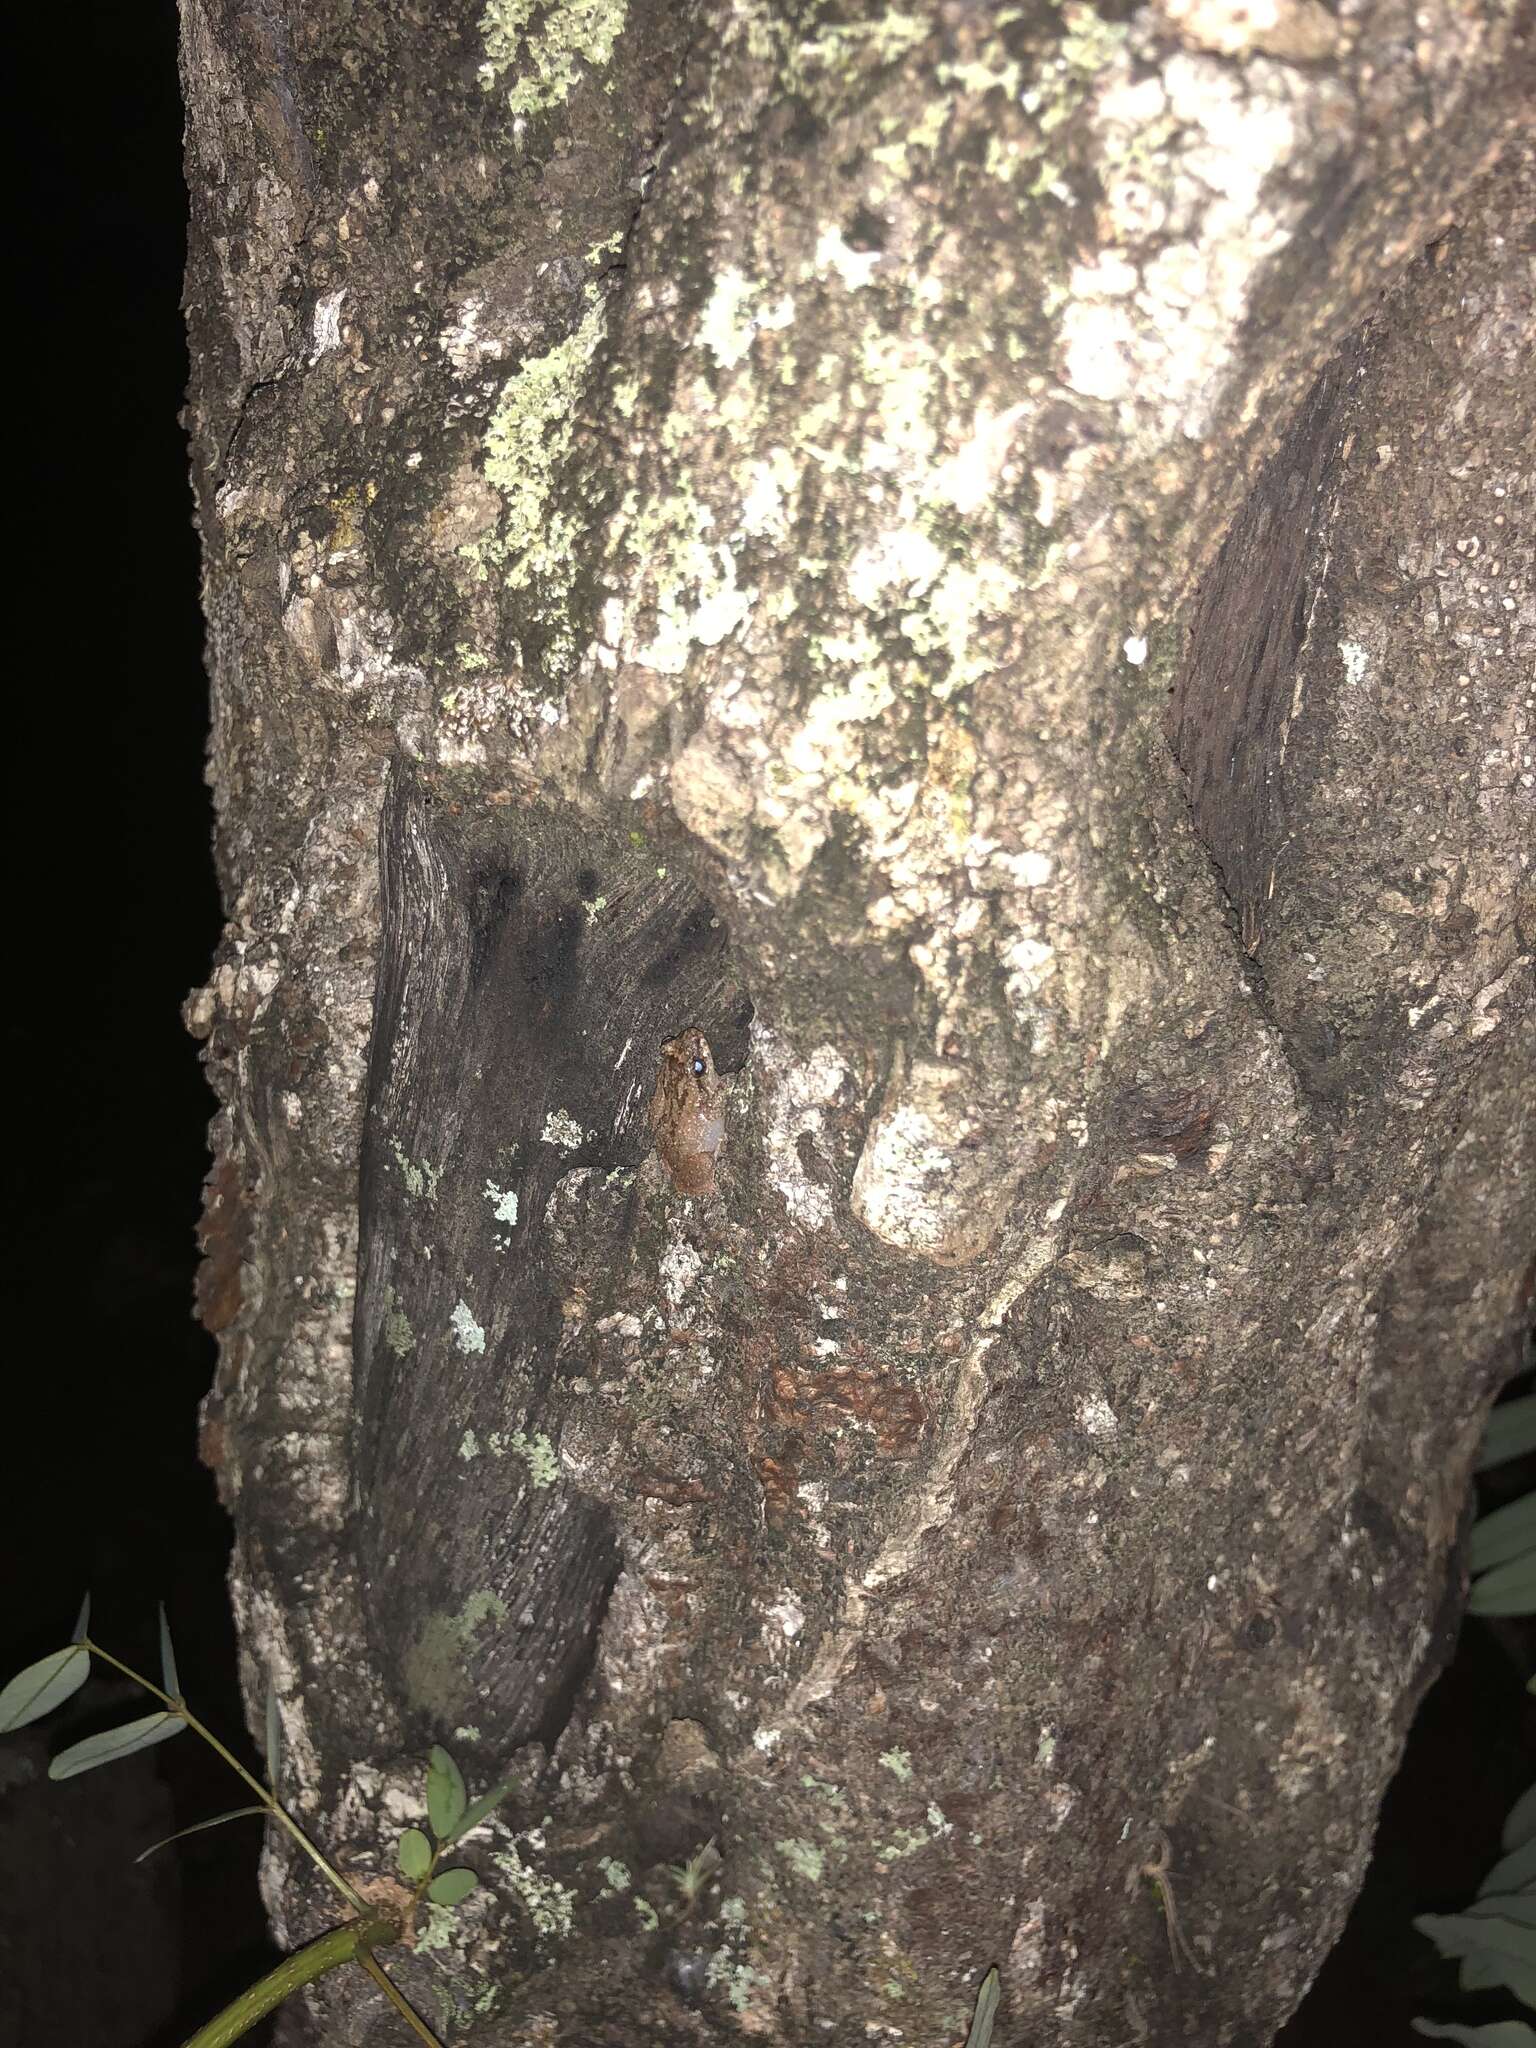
981 559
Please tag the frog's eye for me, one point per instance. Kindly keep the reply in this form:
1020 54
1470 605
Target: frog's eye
698 1066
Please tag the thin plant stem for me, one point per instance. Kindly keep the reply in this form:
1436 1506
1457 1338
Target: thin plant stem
396 1997
267 1797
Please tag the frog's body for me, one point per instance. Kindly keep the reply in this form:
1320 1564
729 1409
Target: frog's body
686 1112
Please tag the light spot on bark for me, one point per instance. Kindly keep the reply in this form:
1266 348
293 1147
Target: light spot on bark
933 1177
1300 30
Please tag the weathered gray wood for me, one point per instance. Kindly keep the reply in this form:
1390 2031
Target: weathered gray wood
528 975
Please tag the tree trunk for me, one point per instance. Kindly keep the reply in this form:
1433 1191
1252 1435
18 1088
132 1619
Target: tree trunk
872 730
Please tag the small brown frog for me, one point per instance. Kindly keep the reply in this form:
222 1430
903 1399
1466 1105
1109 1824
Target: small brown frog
686 1117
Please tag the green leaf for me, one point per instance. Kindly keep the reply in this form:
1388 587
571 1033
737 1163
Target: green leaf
986 2011
83 1623
1462 1934
449 1887
413 1852
1517 1907
43 1686
1502 2034
112 1743
1485 1971
478 1811
199 1827
274 1734
168 1676
1515 1872
446 1796
1494 1949
1520 1822
1509 1531
1511 1432
1508 1589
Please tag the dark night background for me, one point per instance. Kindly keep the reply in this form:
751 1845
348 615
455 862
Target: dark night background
114 883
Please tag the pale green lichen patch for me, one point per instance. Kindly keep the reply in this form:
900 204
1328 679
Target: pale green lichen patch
537 1453
733 1979
898 1762
908 1841
905 1842
503 1203
420 1179
467 1333
569 34
562 1131
616 1876
437 1927
804 1858
433 1666
550 1905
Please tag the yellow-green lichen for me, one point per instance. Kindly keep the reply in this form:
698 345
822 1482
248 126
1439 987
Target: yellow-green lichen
1089 45
398 1334
419 1179
898 1762
1091 42
983 75
570 33
527 444
347 509
888 36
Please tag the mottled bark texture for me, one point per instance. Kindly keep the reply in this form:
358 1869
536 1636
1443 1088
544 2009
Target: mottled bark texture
981 558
